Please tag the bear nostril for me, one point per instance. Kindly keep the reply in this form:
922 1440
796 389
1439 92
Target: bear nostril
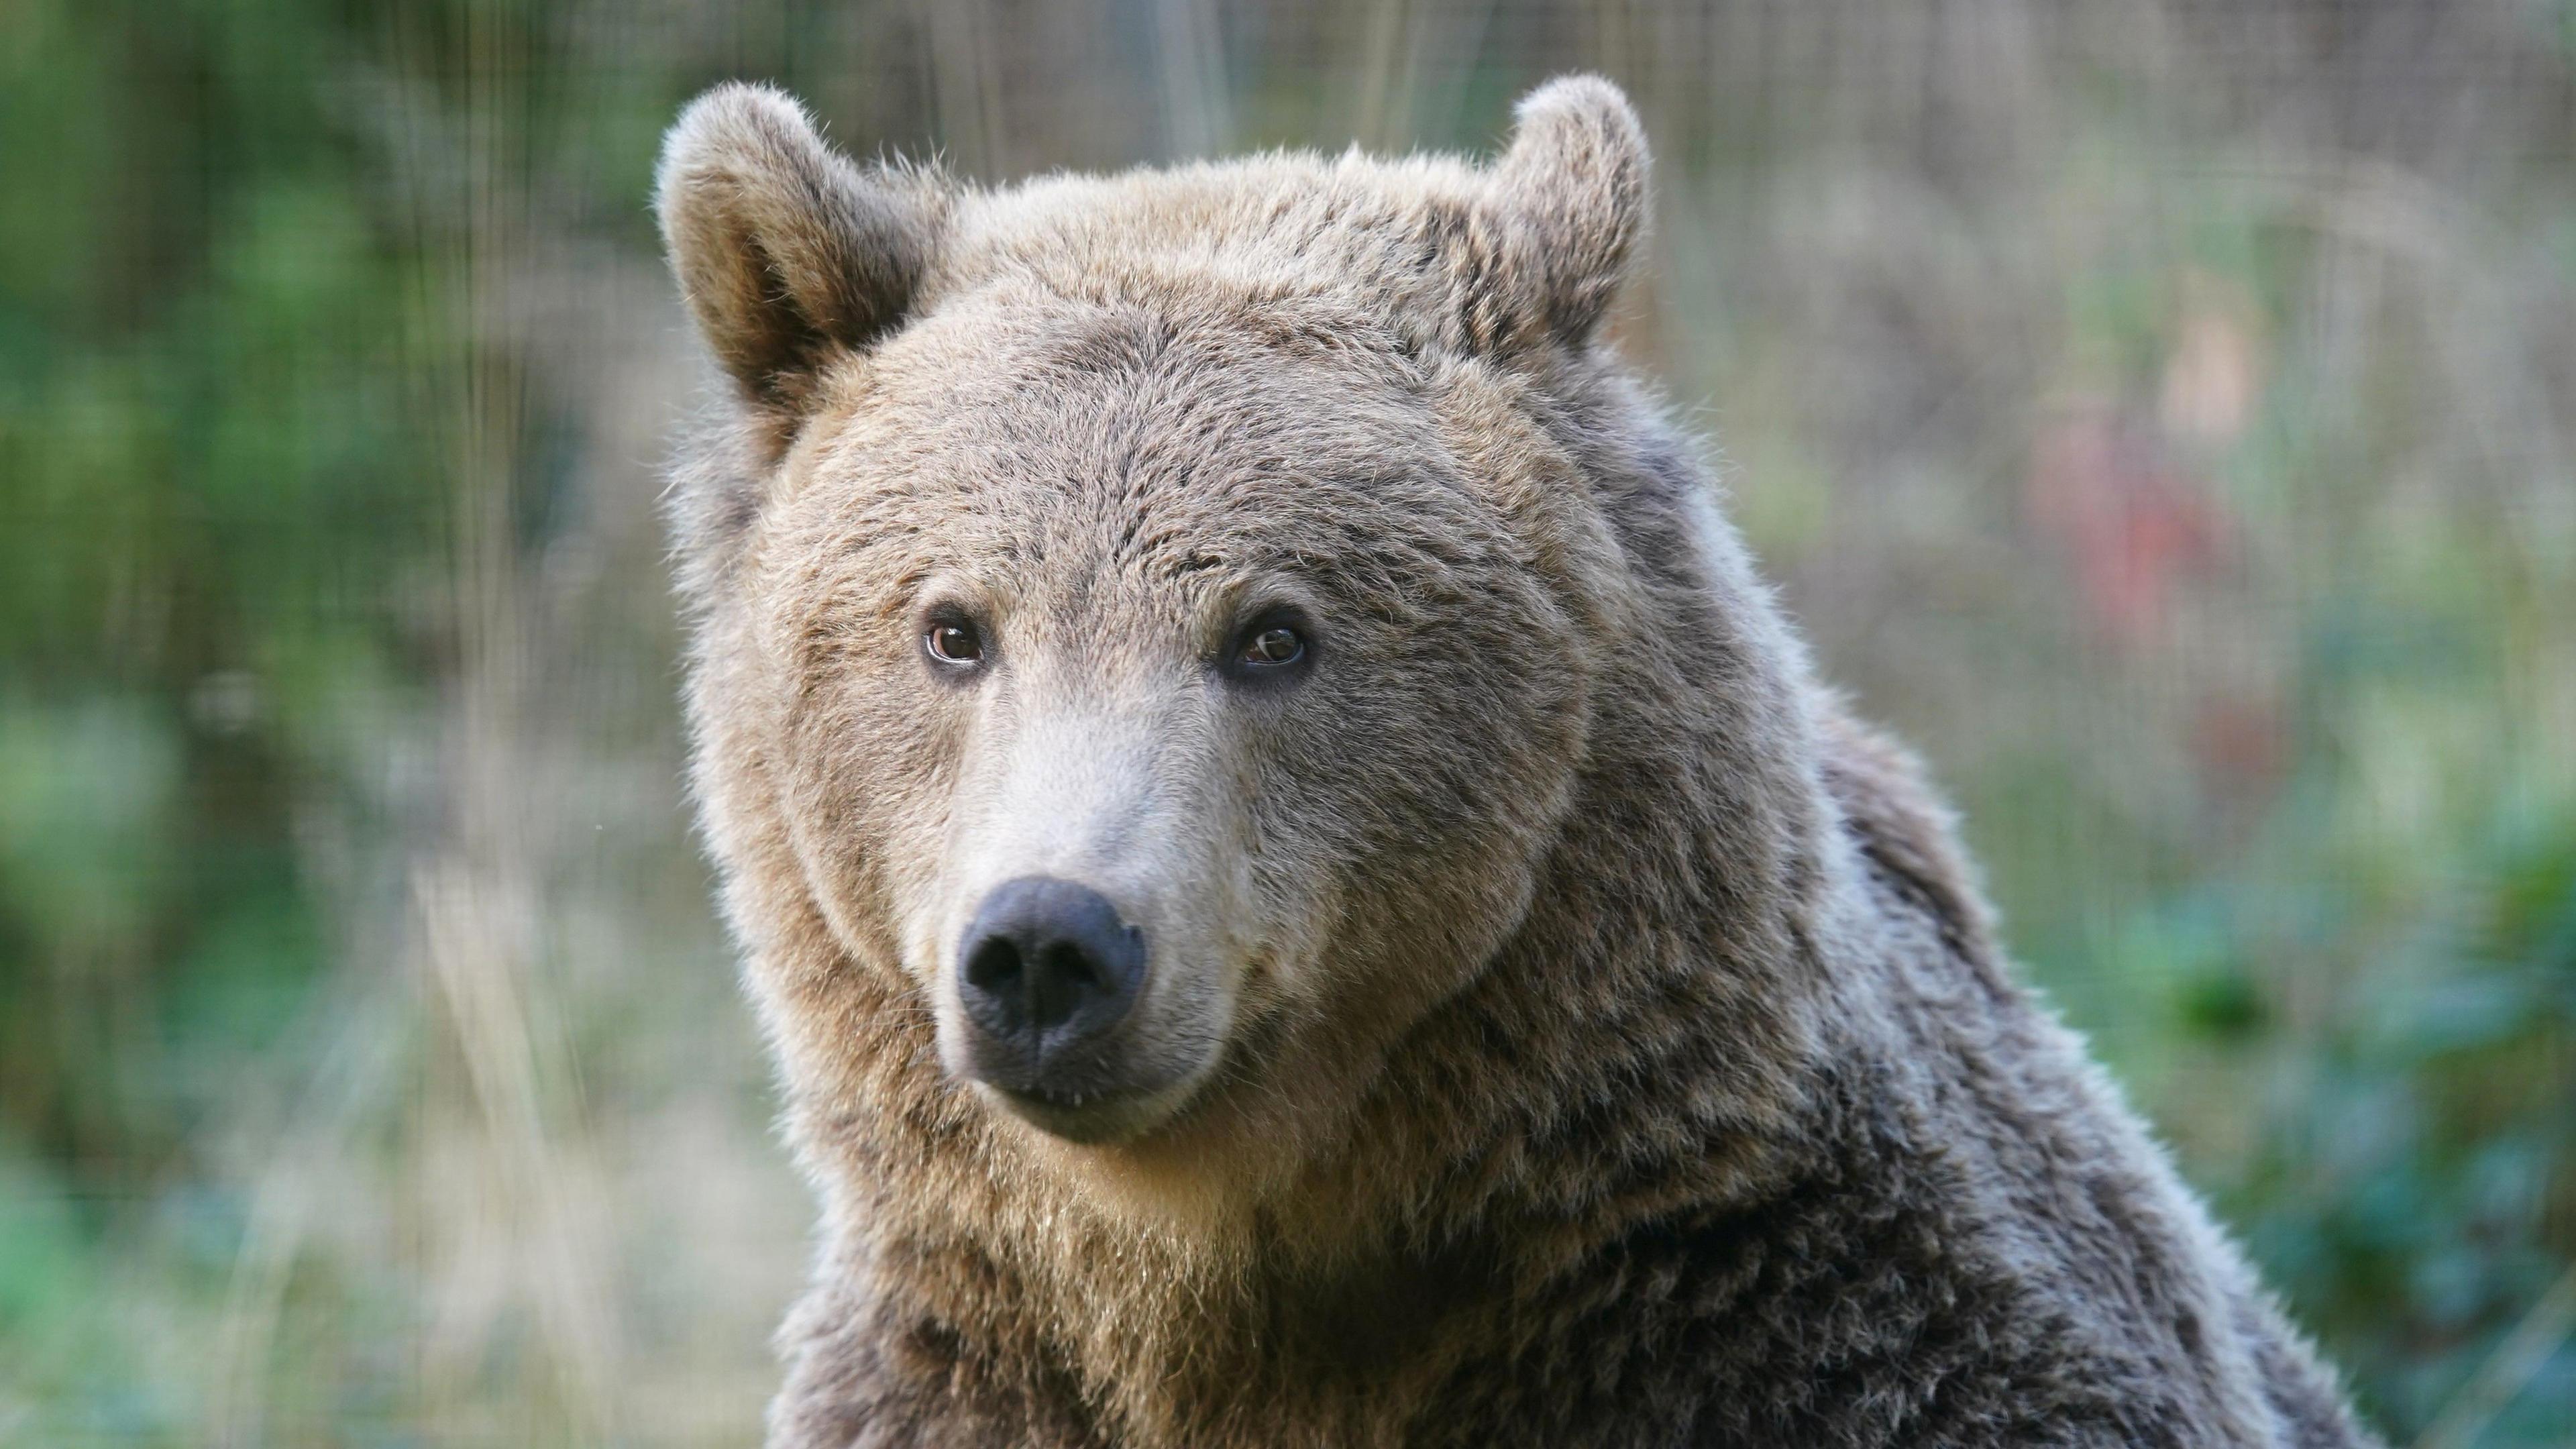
993 969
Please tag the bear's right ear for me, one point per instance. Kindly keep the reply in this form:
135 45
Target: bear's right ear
785 251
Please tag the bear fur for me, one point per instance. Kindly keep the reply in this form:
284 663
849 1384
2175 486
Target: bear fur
1576 1029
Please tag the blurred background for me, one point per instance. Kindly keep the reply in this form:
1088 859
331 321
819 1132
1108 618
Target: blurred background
2162 413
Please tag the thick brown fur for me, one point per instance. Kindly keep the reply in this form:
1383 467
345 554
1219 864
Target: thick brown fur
1581 1033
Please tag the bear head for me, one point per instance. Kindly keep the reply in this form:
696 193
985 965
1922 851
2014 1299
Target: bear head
1147 625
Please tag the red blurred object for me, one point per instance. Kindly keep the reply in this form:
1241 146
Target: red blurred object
2104 485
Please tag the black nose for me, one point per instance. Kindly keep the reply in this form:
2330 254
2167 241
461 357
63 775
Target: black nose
1046 971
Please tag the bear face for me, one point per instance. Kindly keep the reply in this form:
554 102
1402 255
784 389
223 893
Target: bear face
1165 659
1020 593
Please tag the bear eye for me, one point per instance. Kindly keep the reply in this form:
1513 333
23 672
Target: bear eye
1270 645
953 642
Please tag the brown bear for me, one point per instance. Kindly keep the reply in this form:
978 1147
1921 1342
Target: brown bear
1304 893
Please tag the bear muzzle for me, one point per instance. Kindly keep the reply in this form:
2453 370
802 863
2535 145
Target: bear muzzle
1048 976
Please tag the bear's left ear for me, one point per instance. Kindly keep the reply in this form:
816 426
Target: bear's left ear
1566 208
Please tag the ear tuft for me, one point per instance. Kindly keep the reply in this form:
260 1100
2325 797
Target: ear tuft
1571 193
785 251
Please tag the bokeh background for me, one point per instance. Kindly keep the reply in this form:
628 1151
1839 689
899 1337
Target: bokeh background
2163 413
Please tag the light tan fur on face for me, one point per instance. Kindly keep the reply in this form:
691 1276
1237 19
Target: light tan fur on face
1560 1026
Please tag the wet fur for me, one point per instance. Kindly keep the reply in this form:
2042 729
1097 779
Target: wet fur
1671 1089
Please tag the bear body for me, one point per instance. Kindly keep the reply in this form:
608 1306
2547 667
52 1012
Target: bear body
1302 890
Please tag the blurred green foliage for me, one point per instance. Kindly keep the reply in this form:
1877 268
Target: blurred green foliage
2159 412
206 487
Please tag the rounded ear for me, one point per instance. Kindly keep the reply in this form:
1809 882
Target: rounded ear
785 251
1567 206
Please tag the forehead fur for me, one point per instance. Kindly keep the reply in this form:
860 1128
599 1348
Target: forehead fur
1228 238
1447 250
1168 444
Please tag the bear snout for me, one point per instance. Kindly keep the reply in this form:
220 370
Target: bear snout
1048 971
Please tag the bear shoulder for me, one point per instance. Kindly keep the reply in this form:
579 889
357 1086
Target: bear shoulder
1905 834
